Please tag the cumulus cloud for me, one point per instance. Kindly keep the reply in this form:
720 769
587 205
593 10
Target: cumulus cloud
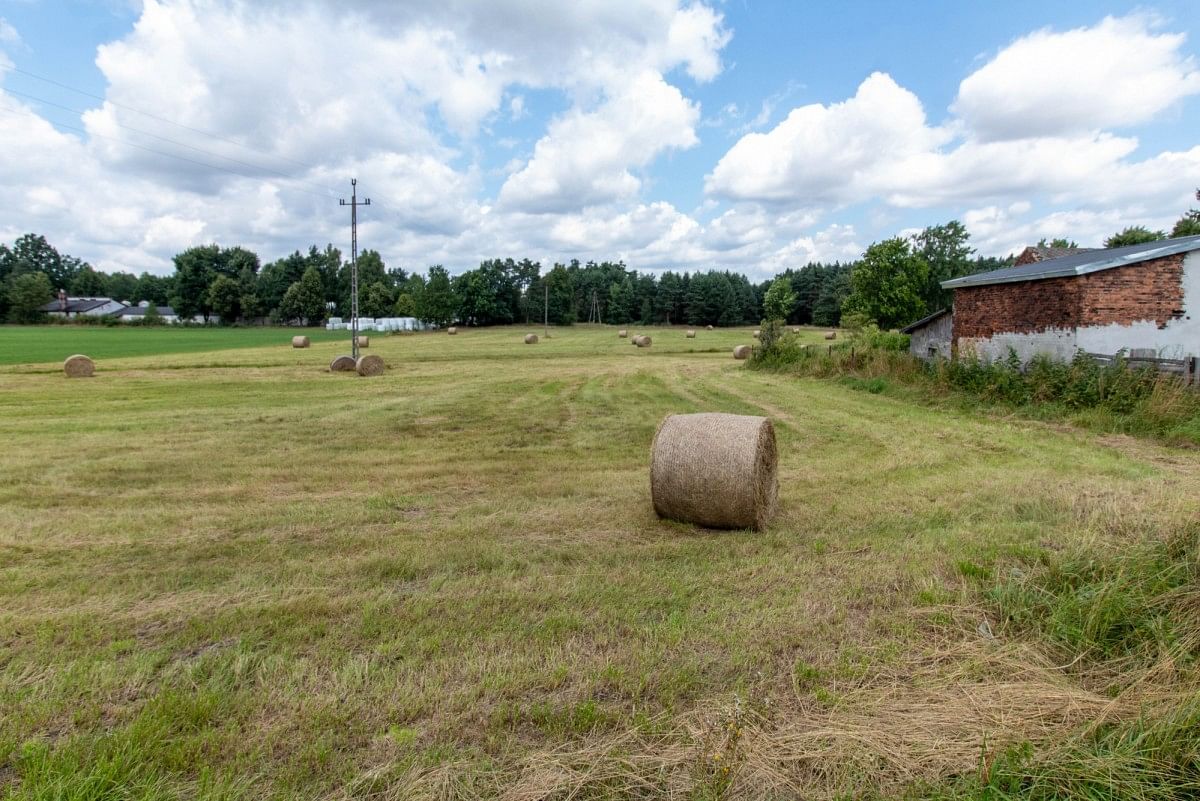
1117 73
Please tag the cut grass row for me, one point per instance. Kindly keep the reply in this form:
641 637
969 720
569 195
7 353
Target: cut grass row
263 580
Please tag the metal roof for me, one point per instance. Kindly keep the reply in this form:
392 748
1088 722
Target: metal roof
908 329
140 311
78 305
1079 263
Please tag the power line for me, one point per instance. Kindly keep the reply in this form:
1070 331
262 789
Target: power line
151 115
174 142
19 112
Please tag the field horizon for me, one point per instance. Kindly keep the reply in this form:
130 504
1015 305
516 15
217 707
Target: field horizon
232 574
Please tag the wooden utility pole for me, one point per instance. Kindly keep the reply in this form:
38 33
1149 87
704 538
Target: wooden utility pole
354 204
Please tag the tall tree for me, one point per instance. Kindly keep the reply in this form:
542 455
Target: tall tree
26 294
886 285
437 304
225 299
780 299
305 299
1133 235
944 248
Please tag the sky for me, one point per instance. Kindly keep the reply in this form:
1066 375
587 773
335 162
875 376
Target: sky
743 135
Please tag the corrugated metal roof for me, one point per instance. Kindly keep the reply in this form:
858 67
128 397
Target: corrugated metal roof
1079 263
908 329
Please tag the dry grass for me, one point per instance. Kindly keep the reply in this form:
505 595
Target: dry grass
79 366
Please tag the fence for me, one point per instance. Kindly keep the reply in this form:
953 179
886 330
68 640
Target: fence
1188 369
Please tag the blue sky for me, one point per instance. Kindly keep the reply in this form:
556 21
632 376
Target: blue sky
752 136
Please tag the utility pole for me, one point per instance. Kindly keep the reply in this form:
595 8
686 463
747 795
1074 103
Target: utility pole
354 204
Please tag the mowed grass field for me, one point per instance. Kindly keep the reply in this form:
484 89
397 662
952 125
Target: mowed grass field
235 575
28 345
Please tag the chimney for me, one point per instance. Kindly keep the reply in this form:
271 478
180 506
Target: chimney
62 300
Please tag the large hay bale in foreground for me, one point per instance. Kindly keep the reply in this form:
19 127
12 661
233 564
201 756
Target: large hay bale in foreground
831 335
741 352
364 342
690 334
79 366
623 333
531 339
300 342
715 470
370 365
343 364
644 341
452 330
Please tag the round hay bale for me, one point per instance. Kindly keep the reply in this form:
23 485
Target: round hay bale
79 366
795 330
757 333
364 342
644 341
831 335
741 352
691 335
715 470
369 365
343 364
708 328
452 330
300 342
623 333
531 339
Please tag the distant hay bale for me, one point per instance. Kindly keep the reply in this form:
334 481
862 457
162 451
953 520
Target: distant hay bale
708 328
757 333
79 366
715 470
364 342
451 330
644 341
691 335
741 352
300 342
831 335
623 333
343 364
369 365
531 339
795 330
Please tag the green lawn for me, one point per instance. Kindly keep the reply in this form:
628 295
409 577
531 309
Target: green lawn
236 575
29 344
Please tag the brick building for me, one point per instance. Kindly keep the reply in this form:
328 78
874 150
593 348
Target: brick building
1142 297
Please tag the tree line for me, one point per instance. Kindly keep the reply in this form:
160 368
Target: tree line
895 282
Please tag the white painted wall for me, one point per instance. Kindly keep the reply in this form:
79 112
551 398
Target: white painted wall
1180 339
1058 343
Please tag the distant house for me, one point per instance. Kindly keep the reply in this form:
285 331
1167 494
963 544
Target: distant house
70 308
931 337
1142 297
131 314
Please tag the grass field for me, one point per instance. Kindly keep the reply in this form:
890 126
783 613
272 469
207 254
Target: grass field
24 344
234 575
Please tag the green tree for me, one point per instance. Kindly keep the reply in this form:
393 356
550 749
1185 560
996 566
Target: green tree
225 299
377 301
26 294
122 287
1187 225
944 248
835 288
779 300
1133 235
620 301
152 317
886 285
1057 242
304 300
437 304
88 283
195 269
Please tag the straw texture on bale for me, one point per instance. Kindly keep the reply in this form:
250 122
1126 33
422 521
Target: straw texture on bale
364 342
691 335
741 352
451 330
300 342
715 470
831 335
643 341
79 366
369 365
343 364
531 339
623 333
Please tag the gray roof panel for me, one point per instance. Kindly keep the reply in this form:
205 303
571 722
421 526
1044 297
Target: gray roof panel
1079 263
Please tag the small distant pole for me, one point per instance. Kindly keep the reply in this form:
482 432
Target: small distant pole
354 204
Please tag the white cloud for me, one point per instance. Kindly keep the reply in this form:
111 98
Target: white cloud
1114 74
1007 230
586 158
8 34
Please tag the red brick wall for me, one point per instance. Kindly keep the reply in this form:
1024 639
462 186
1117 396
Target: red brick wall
1151 290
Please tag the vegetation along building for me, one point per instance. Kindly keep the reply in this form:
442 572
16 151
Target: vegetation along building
1142 298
